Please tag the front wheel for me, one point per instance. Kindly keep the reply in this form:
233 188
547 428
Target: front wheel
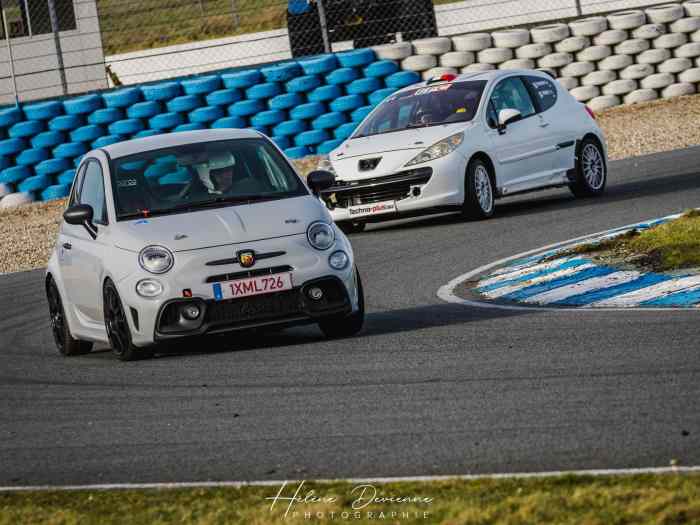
479 193
348 325
590 171
65 342
117 327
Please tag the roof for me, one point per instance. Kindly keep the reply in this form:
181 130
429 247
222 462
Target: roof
179 138
492 74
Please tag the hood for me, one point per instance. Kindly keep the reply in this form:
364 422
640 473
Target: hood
395 150
219 226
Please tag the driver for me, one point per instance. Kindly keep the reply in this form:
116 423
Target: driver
217 174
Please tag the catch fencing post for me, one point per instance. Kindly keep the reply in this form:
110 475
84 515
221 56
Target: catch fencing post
9 52
324 26
579 11
57 39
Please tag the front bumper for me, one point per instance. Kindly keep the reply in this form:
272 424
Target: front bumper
286 308
433 185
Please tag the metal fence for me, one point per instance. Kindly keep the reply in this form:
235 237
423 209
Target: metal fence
60 47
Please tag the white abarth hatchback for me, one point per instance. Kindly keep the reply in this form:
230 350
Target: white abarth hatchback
460 142
195 233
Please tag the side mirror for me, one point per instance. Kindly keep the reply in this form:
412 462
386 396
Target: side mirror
506 117
81 214
320 180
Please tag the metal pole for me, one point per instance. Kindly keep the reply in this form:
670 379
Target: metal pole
234 13
579 11
57 40
9 52
324 26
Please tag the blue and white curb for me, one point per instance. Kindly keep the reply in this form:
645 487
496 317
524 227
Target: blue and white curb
539 278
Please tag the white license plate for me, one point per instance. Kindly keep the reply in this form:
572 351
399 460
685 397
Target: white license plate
277 282
376 208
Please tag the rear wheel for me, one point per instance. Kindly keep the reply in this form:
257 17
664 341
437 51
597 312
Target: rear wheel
65 342
348 325
117 327
479 194
591 170
348 227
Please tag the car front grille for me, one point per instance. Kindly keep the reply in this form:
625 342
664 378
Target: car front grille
248 273
258 307
377 189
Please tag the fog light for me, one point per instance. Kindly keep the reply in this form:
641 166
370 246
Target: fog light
315 293
338 260
190 312
149 288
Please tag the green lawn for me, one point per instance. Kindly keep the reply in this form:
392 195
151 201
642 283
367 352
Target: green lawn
640 499
674 245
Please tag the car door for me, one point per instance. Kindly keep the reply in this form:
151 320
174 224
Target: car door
523 153
560 134
83 277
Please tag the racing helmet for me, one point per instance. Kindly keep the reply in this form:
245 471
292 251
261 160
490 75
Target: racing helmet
218 160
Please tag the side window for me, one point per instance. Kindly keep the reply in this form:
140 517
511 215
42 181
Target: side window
511 93
93 192
544 91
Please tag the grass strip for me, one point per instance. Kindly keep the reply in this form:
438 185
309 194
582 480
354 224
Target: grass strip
674 245
609 500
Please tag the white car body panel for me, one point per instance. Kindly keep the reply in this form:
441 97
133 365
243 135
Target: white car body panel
194 238
534 152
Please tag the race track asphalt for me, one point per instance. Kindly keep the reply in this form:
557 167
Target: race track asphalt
427 388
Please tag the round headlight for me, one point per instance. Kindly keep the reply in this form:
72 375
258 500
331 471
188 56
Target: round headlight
338 260
156 259
321 235
149 288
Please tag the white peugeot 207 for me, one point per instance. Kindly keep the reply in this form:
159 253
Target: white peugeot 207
460 142
194 233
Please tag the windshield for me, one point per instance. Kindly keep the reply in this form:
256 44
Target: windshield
199 175
425 106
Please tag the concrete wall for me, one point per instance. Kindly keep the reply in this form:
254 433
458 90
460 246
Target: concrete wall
36 62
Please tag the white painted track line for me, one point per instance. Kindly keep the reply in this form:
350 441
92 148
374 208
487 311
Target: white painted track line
650 292
588 285
505 290
266 483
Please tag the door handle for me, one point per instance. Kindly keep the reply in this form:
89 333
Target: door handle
544 124
67 245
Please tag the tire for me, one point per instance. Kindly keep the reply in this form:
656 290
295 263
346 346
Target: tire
619 87
457 59
264 118
637 72
69 150
345 130
229 122
548 34
495 55
511 38
26 129
15 174
31 156
285 101
184 103
122 98
9 116
669 41
87 133
224 97
165 121
245 108
117 327
328 121
432 46
145 109
104 141
281 72
657 81
82 105
341 76
397 51
555 60
381 69
318 65
349 325
162 91
632 47
685 25
289 127
418 63
585 93
35 183
105 116
360 113
379 95
577 69
207 114
125 127
588 26
479 191
611 37
66 344
56 191
653 56
627 20
324 93
615 62
348 227
201 85
302 84
603 102
15 199
241 79
402 79
474 42
692 7
649 31
594 54
356 58
311 138
263 91
598 78
363 86
533 51
690 50
641 95
690 75
43 110
573 44
675 65
518 63
477 67
665 14
591 170
678 90
325 147
297 152
307 111
51 166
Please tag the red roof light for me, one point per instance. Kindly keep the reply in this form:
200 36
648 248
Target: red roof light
448 77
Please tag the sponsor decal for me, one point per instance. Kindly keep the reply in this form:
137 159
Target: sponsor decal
372 209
